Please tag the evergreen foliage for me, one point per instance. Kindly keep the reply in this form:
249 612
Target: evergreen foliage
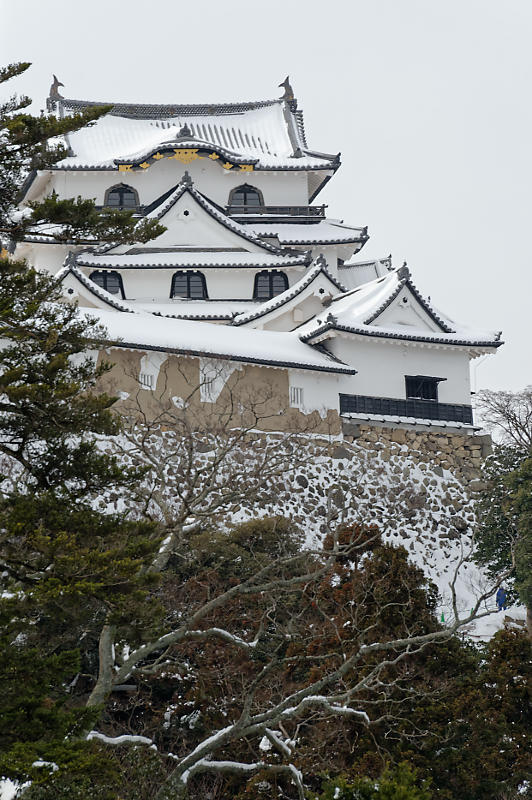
65 563
29 143
519 505
496 523
399 783
448 719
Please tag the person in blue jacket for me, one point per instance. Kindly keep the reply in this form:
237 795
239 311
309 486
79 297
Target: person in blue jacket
500 598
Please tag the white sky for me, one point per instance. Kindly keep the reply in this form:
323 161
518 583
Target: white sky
427 100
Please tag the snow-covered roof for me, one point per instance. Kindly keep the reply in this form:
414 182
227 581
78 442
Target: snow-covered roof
185 308
319 269
142 331
322 232
358 312
355 273
264 135
189 258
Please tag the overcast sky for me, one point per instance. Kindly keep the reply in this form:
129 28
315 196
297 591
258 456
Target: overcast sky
428 102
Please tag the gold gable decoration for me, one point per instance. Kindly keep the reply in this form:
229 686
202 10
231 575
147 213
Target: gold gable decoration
214 156
246 167
158 156
185 156
145 164
125 167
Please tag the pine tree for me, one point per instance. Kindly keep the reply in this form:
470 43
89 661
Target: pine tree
29 143
64 563
497 530
519 504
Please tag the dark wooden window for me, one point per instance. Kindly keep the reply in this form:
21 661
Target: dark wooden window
121 197
110 281
268 284
422 387
247 196
189 284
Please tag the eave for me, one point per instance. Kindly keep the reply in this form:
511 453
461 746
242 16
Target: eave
321 334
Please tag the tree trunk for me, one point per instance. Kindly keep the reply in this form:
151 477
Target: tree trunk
529 621
104 684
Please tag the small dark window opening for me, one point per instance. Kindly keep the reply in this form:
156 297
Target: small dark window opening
269 284
110 281
189 284
247 196
422 387
121 197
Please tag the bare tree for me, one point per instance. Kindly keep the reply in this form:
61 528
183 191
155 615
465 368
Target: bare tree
202 462
508 415
201 465
349 671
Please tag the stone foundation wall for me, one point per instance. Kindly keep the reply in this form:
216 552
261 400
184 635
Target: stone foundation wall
462 454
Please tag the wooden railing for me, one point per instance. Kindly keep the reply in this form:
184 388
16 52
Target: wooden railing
419 409
278 211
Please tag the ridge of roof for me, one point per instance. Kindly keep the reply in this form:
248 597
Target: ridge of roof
165 111
320 267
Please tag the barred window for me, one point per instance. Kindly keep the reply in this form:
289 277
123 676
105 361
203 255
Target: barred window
422 387
247 196
268 284
189 284
121 197
110 281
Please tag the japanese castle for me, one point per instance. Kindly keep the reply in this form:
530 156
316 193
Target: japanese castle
250 273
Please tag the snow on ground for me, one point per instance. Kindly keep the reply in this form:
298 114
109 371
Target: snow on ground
415 504
428 512
8 789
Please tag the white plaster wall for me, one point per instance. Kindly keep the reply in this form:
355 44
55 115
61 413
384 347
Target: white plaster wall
188 224
288 320
45 257
382 366
405 310
222 284
320 389
278 188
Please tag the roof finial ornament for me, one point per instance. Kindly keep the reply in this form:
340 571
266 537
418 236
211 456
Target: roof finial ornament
54 94
185 131
403 272
54 89
70 260
288 91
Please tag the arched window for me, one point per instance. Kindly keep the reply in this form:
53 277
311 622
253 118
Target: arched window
110 281
189 284
247 196
268 284
121 196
